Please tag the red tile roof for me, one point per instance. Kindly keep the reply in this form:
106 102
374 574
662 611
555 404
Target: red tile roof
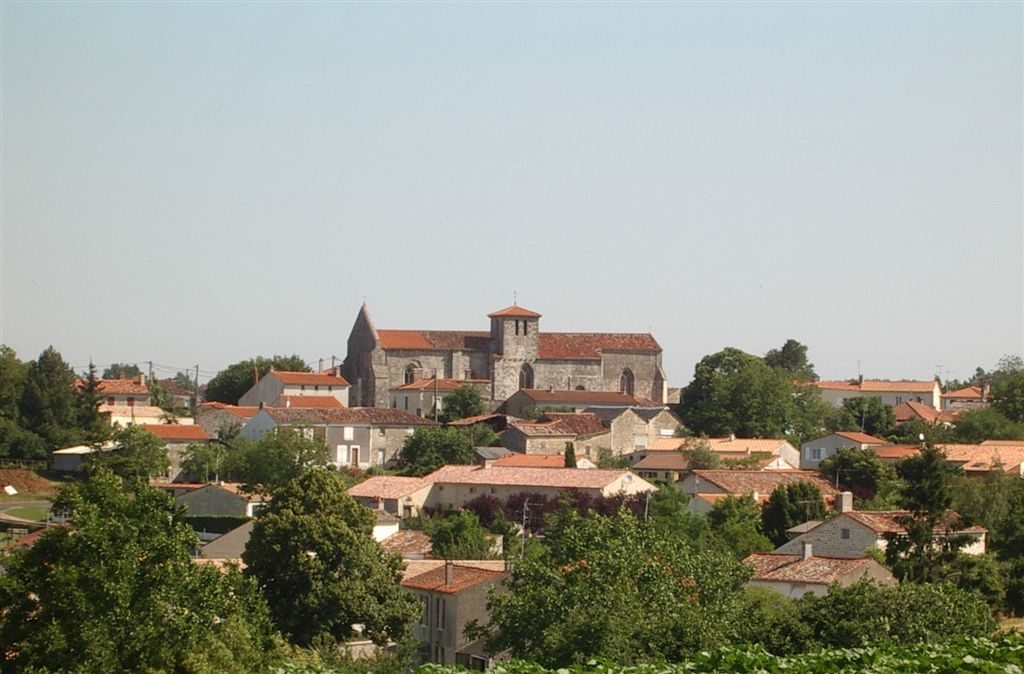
463 577
514 311
764 482
177 432
122 387
861 438
779 567
323 402
433 340
388 487
677 461
530 461
889 521
968 393
373 416
581 424
241 411
893 452
543 429
309 379
579 397
590 346
407 542
910 409
982 458
569 478
880 385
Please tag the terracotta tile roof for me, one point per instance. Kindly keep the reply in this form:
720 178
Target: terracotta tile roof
464 577
373 416
240 411
678 461
764 482
177 486
122 387
666 444
308 378
514 311
516 460
323 402
535 429
407 542
748 445
177 432
433 340
893 452
590 345
580 424
540 395
388 487
569 478
888 521
861 438
483 418
415 567
1002 443
445 385
779 567
880 385
968 393
147 411
982 458
910 409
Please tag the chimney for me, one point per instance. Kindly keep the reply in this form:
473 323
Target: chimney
449 572
321 368
860 380
844 502
807 552
732 437
142 379
287 402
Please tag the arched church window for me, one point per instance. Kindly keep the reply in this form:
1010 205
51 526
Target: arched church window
410 373
626 382
526 376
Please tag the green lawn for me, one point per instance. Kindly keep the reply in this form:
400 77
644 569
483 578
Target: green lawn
34 513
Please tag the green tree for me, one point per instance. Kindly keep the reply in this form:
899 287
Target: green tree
771 620
313 554
12 381
138 454
919 555
277 458
119 592
49 406
204 461
989 423
860 470
482 435
428 449
788 506
616 588
94 425
868 415
1008 388
699 455
570 455
122 371
232 382
463 402
459 536
910 432
792 358
735 392
735 527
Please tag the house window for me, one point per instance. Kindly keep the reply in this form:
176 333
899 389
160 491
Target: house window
394 403
524 327
341 455
316 387
355 455
816 454
131 402
517 327
493 490
844 534
472 490
526 376
380 457
626 381
406 403
110 400
410 373
302 387
899 399
348 433
307 433
440 487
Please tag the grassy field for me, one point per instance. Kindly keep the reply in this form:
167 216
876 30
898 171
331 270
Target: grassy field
34 513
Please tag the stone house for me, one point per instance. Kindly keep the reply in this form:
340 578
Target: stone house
177 438
420 397
548 438
274 385
400 496
452 594
220 500
217 418
361 437
636 428
514 354
813 452
891 393
794 575
527 400
851 532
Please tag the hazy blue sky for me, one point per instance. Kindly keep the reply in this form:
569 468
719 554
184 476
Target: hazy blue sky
203 182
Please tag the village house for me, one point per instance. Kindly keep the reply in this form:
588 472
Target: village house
813 452
592 432
672 466
220 500
529 401
274 385
361 437
218 418
851 532
123 392
891 393
424 397
707 487
514 354
177 438
452 594
409 544
986 457
516 460
766 453
794 575
401 496
970 397
123 416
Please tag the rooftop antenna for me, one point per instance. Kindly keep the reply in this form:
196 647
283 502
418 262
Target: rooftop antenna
515 298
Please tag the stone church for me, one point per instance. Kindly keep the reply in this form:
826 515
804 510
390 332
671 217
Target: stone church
515 354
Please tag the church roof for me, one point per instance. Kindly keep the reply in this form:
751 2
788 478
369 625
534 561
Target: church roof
433 340
590 345
514 311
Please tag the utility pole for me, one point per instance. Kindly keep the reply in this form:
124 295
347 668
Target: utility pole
150 370
435 395
195 406
522 541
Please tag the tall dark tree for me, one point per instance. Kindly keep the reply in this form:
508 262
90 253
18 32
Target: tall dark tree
93 424
1008 388
232 382
570 455
792 357
119 592
428 449
788 506
49 406
459 536
463 402
274 460
312 552
868 415
859 470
